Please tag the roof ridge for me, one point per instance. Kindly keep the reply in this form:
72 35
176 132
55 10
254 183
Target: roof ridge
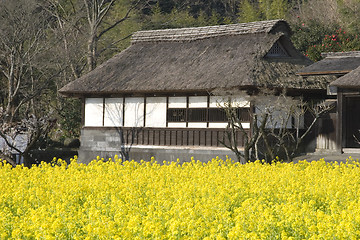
341 54
196 33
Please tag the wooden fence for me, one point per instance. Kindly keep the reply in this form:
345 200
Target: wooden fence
178 137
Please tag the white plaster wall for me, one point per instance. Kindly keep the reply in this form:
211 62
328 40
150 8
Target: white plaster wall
237 101
197 124
134 112
93 112
240 102
224 125
217 101
299 120
177 125
155 112
277 118
177 102
218 125
113 112
198 102
20 141
245 125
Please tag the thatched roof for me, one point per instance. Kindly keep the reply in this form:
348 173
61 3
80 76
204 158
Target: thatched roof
350 80
199 59
336 63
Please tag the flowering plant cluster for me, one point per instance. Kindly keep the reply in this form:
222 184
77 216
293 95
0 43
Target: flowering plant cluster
340 41
194 200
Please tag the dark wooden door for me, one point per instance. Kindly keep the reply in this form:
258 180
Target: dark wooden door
352 122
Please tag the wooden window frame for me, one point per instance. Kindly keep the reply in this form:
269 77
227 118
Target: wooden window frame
207 119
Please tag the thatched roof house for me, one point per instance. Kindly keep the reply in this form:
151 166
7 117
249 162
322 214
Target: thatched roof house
201 59
165 86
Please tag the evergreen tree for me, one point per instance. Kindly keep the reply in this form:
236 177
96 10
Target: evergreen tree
279 9
263 10
248 12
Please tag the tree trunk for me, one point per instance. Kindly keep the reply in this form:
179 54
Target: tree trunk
91 57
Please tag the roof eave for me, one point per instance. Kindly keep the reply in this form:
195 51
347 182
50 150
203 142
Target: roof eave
340 73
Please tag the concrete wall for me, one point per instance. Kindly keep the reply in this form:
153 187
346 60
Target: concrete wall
106 143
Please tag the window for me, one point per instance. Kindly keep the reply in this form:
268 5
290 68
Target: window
244 114
204 115
197 115
217 115
176 115
277 51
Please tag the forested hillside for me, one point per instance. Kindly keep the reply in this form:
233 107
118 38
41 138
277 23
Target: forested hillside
45 44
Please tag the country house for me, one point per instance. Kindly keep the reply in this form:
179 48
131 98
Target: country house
339 130
161 95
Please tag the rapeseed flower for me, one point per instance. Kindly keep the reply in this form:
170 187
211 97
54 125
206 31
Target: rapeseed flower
145 200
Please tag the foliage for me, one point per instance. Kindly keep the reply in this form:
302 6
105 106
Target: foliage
178 18
70 119
340 41
214 200
24 73
263 10
306 34
313 21
224 8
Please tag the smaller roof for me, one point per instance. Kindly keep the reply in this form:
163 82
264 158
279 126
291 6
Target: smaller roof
334 63
350 80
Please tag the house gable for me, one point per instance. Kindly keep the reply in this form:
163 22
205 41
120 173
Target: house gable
277 51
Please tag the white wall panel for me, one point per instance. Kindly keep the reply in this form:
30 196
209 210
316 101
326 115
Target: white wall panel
245 125
177 125
240 102
197 124
177 102
218 125
93 112
155 112
277 118
217 101
237 101
113 112
198 102
134 112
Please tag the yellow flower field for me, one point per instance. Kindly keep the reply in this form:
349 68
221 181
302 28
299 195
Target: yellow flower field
147 200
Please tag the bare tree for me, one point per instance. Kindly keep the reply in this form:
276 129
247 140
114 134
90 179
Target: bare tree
126 135
96 13
25 74
250 136
278 126
22 32
23 138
